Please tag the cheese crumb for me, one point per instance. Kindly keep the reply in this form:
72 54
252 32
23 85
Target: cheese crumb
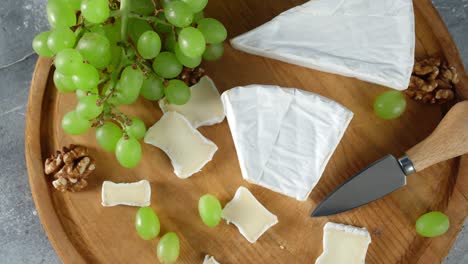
210 260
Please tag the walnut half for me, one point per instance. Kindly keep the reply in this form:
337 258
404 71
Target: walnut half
70 168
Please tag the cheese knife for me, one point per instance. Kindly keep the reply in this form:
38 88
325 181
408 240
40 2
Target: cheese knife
449 140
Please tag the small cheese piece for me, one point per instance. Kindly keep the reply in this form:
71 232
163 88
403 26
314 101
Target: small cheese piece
210 260
132 194
187 149
284 137
248 214
204 107
372 40
344 244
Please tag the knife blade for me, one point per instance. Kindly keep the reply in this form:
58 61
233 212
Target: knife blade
448 140
377 180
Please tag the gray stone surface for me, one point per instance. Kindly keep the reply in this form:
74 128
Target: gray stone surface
22 239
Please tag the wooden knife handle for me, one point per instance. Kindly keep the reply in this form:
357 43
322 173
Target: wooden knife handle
449 139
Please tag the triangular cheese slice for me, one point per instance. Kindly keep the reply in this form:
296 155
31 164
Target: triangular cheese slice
284 137
372 40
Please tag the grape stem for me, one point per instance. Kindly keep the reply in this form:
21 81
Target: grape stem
103 80
125 120
149 18
140 60
124 12
114 13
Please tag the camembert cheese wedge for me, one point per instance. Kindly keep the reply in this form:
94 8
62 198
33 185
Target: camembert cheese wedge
210 260
187 149
204 107
344 244
131 194
284 137
248 214
372 40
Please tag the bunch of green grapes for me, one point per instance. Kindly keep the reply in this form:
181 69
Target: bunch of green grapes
109 52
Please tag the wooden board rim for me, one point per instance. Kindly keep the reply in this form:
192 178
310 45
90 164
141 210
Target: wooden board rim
38 183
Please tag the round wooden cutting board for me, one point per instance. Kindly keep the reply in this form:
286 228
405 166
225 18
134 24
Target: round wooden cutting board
82 231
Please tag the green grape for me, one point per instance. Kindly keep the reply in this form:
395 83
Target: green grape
112 31
168 248
149 44
67 61
187 61
116 55
131 80
39 45
213 52
210 210
142 7
432 224
177 92
95 11
198 16
73 124
390 105
166 65
123 95
170 42
128 152
108 135
165 2
86 77
80 94
196 5
213 30
191 42
178 13
61 38
137 129
63 82
147 223
136 27
95 48
162 28
152 88
87 107
73 4
98 28
60 14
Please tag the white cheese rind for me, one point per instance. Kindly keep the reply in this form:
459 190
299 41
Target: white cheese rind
210 260
344 244
204 107
131 194
284 137
248 215
188 150
372 40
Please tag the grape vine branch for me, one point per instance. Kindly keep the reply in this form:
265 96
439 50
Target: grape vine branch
110 52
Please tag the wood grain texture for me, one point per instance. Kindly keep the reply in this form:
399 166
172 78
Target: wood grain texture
449 139
82 231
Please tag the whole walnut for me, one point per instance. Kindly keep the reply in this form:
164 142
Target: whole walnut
191 76
433 81
70 168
